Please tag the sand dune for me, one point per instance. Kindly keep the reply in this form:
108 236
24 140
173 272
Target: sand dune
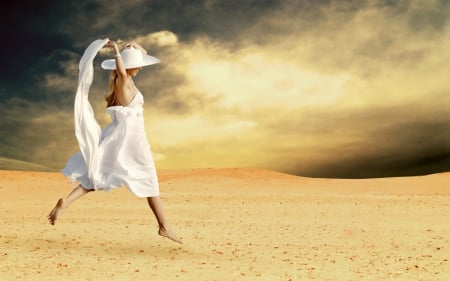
14 164
236 224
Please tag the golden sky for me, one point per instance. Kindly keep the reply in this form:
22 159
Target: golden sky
336 90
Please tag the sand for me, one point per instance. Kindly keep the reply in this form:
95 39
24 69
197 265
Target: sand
236 224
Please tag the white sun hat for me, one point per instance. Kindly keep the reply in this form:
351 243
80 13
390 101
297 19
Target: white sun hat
132 58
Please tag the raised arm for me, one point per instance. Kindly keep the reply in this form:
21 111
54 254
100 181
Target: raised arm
120 68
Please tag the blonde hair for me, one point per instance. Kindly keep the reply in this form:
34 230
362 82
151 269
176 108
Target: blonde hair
111 99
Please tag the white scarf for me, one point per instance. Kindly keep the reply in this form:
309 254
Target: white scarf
87 129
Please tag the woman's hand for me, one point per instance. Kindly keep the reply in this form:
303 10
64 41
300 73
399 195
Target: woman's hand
120 68
136 46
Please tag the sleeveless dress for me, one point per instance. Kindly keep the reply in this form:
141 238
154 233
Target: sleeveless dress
123 156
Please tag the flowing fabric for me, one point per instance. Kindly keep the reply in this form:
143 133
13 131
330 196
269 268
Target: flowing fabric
87 129
119 154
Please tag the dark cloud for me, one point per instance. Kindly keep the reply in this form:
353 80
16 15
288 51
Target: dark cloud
40 34
406 144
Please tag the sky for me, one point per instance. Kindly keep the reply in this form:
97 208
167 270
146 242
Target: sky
335 89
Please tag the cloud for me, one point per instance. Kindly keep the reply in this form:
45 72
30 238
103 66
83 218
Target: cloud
319 88
320 99
162 38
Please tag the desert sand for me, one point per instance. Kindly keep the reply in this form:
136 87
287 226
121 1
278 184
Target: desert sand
236 224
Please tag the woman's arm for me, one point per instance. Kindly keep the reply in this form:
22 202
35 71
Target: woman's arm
120 68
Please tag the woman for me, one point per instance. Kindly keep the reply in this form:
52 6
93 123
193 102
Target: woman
121 154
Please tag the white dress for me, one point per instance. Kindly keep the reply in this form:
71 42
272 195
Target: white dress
118 155
123 155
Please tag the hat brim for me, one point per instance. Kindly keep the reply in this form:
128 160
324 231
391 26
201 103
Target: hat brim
146 60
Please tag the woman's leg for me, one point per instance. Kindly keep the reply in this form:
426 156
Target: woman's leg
63 204
158 210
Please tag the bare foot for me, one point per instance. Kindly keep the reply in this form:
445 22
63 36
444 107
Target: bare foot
56 212
169 234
